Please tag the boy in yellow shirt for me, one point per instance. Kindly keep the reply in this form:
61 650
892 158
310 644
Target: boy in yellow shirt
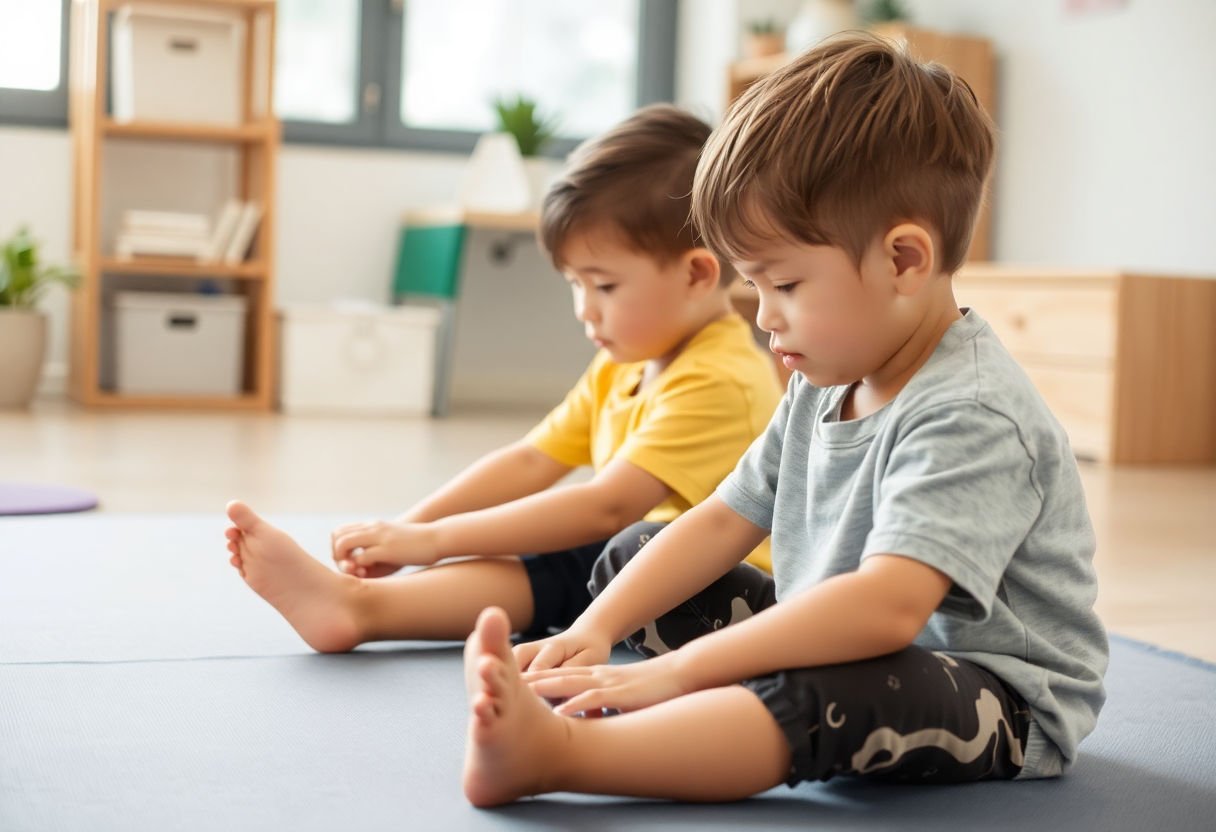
676 394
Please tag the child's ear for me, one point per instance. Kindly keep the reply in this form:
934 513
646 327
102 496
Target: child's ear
703 268
910 249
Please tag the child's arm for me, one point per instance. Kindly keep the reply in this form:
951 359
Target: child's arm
561 518
878 609
506 474
698 548
511 472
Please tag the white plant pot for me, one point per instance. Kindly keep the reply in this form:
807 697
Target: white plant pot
540 173
494 179
22 349
819 19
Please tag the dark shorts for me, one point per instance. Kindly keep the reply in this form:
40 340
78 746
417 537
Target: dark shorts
913 716
559 587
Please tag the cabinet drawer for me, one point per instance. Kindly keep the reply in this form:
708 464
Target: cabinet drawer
1057 323
1083 402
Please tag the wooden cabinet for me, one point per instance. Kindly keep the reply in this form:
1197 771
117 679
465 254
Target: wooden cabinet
1127 362
94 135
971 57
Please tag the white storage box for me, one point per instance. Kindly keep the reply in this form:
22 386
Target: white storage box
179 343
178 64
364 359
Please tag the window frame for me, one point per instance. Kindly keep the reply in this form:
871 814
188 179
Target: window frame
382 49
378 123
41 108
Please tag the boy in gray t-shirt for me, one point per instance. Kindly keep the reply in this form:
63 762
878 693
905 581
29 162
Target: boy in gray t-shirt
930 616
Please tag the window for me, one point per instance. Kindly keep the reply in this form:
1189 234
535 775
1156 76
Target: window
316 57
578 60
428 70
406 73
33 64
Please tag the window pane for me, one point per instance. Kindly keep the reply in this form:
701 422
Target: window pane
577 60
316 60
29 56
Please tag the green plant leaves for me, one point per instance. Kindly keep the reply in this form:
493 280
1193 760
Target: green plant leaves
518 116
22 279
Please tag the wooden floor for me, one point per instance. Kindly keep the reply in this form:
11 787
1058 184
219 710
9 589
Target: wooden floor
1156 526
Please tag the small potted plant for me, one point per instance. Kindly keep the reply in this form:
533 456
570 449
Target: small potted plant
519 117
23 328
763 38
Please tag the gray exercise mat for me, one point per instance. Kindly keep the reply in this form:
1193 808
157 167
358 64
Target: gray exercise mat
373 741
143 687
111 587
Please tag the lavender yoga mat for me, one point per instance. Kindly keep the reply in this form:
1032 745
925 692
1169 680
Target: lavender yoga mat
42 498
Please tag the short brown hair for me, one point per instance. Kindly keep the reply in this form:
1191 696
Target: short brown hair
832 149
635 179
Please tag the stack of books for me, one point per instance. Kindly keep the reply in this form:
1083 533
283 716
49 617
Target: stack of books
191 236
163 234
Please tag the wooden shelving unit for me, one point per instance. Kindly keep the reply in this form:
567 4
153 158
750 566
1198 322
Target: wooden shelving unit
971 57
256 143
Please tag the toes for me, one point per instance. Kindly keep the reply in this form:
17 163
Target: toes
243 517
494 633
232 533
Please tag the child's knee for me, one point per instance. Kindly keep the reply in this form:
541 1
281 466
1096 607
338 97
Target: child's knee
618 552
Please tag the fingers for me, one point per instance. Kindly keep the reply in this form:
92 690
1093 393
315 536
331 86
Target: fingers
552 654
525 653
592 701
347 543
564 687
555 672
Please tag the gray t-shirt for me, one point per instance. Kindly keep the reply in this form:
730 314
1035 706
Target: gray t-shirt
966 470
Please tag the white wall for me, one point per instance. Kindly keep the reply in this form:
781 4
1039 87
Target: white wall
1107 137
1108 130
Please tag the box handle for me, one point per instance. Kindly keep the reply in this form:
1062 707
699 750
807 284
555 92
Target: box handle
180 320
183 45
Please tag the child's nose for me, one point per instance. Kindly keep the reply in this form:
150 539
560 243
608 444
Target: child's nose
586 311
767 316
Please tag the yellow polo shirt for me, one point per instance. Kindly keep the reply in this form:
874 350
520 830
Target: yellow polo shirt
688 427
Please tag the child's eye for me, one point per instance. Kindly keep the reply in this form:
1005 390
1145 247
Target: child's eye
785 287
747 284
606 288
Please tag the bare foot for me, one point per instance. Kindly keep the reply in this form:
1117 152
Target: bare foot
313 599
514 738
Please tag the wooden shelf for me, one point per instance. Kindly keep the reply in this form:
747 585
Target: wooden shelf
232 5
244 134
169 267
254 144
527 221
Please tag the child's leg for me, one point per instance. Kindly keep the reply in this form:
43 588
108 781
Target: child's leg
737 595
333 612
913 716
714 745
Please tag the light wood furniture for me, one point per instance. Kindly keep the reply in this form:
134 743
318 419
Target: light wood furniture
971 57
256 142
1127 362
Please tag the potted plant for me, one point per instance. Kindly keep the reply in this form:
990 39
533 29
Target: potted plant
23 279
519 117
763 38
886 11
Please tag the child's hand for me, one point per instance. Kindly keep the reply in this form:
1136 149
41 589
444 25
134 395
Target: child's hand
627 687
573 648
379 548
